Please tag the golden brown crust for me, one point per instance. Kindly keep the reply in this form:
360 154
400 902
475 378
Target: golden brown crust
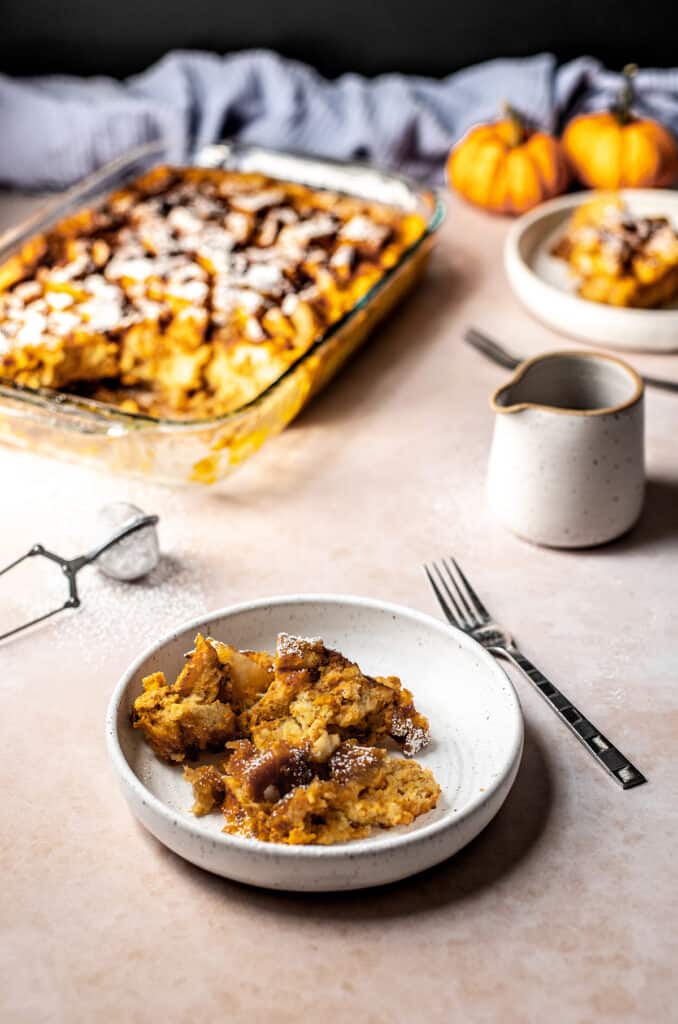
318 697
191 290
192 714
284 796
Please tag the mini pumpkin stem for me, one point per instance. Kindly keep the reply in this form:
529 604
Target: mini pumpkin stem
627 94
517 123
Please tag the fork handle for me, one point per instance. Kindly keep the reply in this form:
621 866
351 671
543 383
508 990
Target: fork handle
605 753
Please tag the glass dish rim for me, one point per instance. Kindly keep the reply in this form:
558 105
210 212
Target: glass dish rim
52 399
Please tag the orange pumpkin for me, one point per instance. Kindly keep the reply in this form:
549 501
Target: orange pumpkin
615 149
505 168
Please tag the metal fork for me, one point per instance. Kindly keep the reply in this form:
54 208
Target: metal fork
463 608
498 354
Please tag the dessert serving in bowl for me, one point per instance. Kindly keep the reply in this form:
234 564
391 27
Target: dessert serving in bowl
307 768
173 321
601 267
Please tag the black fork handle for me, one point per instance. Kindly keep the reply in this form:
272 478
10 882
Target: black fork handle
605 753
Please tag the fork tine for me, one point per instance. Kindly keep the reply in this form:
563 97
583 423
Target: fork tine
463 619
473 597
447 611
471 613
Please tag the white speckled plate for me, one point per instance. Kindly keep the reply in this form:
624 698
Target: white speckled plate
544 285
476 728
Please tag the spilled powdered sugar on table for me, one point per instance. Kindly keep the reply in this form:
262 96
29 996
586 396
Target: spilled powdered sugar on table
58 507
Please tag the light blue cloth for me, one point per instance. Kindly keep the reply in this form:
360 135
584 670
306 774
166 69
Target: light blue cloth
55 130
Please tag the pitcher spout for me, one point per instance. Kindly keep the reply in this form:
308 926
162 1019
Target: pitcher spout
569 382
503 399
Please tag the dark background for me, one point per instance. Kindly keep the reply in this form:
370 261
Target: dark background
430 37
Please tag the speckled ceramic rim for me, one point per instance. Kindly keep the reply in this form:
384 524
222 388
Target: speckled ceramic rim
569 354
361 848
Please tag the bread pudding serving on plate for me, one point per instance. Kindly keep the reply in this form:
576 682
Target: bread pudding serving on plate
619 259
305 734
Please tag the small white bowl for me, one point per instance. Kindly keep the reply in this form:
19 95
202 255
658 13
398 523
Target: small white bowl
476 727
547 289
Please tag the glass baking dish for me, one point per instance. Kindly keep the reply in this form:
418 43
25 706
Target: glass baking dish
204 451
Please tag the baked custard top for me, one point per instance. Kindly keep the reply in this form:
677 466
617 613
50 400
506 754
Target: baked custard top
191 290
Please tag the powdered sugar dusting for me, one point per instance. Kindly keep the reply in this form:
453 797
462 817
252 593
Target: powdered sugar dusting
297 645
413 737
351 761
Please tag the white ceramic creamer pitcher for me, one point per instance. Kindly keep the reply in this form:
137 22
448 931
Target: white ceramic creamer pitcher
567 464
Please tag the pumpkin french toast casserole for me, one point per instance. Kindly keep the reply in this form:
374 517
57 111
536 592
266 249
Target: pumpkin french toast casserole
305 737
619 259
187 293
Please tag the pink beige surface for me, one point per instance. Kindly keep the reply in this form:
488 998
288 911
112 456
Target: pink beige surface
564 909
